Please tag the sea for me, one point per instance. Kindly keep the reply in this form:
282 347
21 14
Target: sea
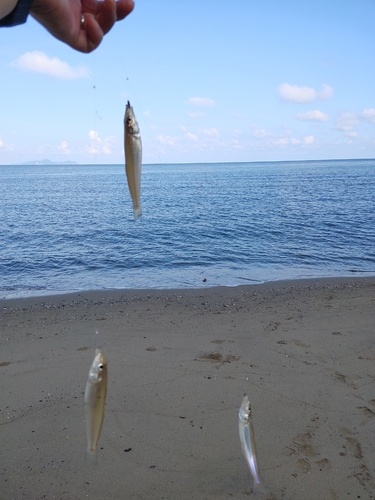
70 227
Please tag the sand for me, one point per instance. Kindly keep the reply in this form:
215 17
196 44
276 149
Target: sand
179 362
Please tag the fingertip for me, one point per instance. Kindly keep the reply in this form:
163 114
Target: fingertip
124 8
107 16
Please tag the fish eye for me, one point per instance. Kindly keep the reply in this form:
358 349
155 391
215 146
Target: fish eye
100 366
129 119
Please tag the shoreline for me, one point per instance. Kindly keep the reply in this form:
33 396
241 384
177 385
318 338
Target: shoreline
179 362
118 293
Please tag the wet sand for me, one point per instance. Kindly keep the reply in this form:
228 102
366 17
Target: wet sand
179 362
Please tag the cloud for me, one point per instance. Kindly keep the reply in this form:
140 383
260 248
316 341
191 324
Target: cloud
148 114
315 116
97 145
191 137
368 114
197 114
96 142
211 132
310 139
167 140
293 140
294 93
236 144
260 133
283 141
347 121
64 147
201 101
39 62
6 147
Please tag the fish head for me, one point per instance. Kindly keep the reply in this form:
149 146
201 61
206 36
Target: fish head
98 369
245 409
130 121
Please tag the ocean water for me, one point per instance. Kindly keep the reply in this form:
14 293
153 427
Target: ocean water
71 227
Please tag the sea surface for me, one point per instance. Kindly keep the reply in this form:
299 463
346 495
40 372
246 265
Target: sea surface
71 227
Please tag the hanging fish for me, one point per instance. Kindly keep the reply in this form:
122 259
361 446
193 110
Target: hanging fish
247 438
95 393
133 158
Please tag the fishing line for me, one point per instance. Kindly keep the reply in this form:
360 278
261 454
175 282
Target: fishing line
129 90
94 87
95 106
150 132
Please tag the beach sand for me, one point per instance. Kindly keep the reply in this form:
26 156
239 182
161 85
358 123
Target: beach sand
179 362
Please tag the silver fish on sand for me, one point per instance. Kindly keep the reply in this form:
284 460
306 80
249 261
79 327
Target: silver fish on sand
95 394
133 158
247 438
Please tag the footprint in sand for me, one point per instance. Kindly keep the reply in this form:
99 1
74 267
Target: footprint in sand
324 464
353 447
302 446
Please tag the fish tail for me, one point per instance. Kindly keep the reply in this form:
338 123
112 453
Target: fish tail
258 488
91 456
137 212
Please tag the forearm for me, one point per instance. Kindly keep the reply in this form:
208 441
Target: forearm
13 12
6 6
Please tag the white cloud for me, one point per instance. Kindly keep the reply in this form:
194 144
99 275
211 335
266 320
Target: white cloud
368 114
294 93
315 115
197 114
107 149
211 132
260 133
97 145
39 62
201 101
347 121
6 147
191 137
148 114
64 147
310 139
167 140
236 144
293 140
282 141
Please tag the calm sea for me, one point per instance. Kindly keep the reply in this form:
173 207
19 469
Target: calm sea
71 227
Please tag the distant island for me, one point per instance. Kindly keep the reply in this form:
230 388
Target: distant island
48 162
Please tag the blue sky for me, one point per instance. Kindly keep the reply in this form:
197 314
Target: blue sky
209 81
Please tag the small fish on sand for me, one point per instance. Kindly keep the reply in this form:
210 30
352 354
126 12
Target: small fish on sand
95 394
133 158
247 438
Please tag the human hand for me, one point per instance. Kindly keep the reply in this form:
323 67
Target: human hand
80 23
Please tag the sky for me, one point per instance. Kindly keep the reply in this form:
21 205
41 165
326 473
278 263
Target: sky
209 81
